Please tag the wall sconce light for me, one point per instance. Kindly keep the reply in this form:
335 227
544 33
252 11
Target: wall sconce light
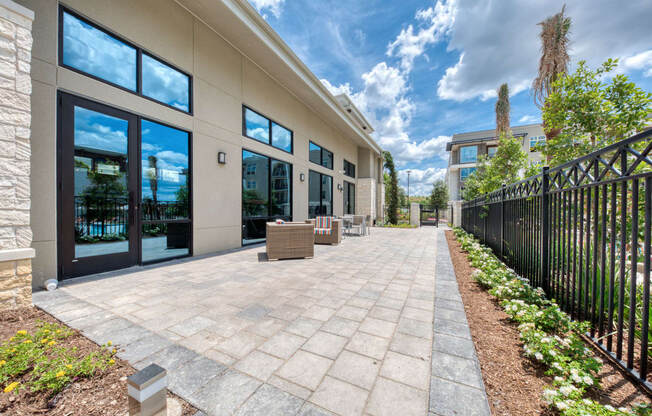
339 187
302 177
221 158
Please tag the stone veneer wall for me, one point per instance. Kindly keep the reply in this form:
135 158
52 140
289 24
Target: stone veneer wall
15 119
365 193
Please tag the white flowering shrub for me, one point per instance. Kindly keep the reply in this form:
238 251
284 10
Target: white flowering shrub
548 334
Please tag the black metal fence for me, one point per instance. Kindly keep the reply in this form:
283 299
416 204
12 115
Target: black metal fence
581 231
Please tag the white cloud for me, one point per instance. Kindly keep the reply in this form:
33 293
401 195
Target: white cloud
340 89
491 54
528 119
421 180
639 62
409 45
272 6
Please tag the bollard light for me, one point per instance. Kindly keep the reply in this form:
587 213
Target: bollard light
147 391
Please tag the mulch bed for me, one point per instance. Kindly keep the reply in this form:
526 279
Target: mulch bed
103 394
514 383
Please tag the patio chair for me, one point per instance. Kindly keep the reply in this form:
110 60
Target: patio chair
328 230
289 240
358 225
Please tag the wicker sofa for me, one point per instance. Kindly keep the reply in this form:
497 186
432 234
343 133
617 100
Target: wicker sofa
328 230
290 240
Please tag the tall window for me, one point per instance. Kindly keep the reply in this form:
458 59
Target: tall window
349 198
465 172
536 143
266 194
320 156
165 195
85 47
349 169
320 195
260 128
491 151
468 154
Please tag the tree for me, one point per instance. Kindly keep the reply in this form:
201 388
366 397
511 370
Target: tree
392 206
402 197
502 111
591 112
553 62
504 167
439 195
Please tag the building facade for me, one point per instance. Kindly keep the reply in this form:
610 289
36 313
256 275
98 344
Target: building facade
465 149
170 128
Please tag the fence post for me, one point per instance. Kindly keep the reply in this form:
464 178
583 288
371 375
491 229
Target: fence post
502 221
545 229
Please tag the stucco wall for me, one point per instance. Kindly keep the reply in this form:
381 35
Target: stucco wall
223 80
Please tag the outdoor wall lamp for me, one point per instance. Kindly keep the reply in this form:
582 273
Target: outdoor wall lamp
221 158
339 187
302 177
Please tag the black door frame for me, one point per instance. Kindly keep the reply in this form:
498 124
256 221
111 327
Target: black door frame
346 196
66 268
68 265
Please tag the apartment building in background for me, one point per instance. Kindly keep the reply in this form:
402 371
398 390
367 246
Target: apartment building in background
465 149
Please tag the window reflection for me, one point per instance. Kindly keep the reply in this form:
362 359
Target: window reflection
469 154
281 137
266 194
165 84
320 194
256 126
101 203
281 192
93 51
165 183
164 166
315 153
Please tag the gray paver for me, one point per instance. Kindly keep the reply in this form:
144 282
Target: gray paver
270 401
458 369
224 394
375 296
186 380
448 398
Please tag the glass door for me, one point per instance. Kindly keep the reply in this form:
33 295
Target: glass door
98 172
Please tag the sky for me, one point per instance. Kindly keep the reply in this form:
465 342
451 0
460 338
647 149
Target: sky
422 71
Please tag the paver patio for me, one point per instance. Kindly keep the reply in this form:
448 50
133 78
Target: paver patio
349 332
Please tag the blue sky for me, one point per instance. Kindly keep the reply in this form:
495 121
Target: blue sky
424 70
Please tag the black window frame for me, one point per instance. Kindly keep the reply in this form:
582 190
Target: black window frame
139 61
270 121
347 166
346 196
138 191
322 149
321 190
270 159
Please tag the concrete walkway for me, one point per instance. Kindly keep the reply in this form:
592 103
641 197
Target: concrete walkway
373 326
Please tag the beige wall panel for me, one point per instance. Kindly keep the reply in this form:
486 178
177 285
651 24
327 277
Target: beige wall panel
216 107
160 26
216 188
44 265
211 240
44 26
44 72
217 62
263 94
43 163
300 191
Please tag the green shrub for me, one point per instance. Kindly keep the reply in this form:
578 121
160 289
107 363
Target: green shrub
38 362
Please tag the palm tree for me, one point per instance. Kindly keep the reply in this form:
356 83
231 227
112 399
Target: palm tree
554 58
502 111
